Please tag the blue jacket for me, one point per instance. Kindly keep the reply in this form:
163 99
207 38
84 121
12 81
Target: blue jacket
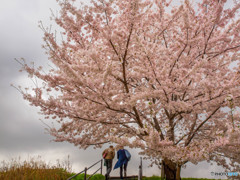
122 159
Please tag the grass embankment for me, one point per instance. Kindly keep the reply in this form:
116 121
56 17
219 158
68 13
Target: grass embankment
159 178
32 169
36 169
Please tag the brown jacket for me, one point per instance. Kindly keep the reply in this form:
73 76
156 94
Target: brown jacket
110 153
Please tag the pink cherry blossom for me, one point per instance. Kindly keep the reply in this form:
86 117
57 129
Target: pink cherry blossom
148 75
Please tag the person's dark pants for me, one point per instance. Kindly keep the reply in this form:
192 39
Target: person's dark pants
108 163
124 166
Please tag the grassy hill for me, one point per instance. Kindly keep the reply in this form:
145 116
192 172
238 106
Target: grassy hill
36 169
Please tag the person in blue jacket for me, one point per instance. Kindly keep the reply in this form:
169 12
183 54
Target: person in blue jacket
123 157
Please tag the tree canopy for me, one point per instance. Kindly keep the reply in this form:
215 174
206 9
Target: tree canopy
145 74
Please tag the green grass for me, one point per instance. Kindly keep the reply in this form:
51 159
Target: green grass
36 169
159 178
94 177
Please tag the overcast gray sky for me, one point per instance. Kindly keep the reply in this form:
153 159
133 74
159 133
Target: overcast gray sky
21 132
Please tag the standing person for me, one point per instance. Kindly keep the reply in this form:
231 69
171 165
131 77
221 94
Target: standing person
108 155
123 157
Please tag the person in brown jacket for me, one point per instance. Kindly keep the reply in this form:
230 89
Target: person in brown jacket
108 155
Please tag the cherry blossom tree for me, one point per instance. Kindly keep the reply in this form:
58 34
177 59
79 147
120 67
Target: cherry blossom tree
148 74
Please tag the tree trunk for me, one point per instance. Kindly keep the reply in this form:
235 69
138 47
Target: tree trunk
162 171
170 169
178 172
